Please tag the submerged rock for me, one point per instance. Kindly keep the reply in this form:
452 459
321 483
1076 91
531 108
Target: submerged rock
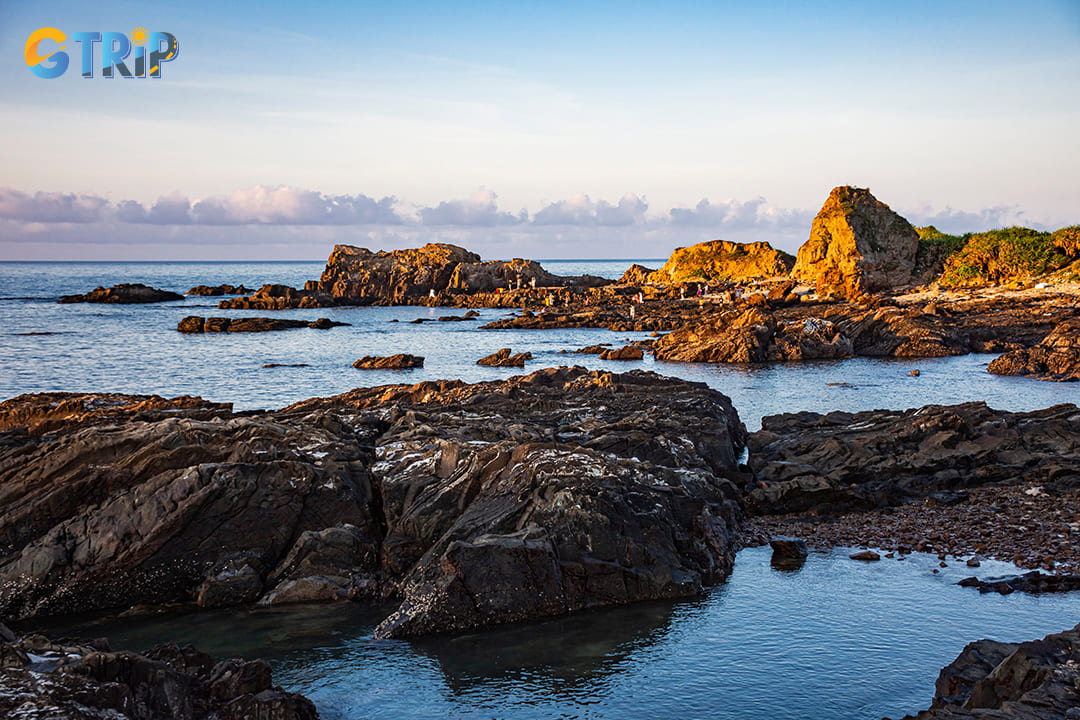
41 678
124 294
1036 680
400 361
857 245
1056 358
1031 582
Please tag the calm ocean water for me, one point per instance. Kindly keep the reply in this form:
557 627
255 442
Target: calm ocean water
837 639
136 349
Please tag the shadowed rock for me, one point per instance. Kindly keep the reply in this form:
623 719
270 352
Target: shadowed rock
505 358
124 294
401 361
1056 358
194 324
207 291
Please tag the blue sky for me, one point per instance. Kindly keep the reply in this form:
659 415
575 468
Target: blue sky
552 130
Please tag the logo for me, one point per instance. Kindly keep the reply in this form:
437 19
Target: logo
148 52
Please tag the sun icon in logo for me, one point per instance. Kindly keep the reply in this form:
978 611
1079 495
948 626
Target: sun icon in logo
139 36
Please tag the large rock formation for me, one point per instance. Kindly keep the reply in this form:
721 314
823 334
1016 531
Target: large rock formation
840 461
40 678
723 261
857 245
476 504
124 294
589 489
1056 358
1036 680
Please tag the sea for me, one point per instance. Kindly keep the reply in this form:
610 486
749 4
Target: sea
834 639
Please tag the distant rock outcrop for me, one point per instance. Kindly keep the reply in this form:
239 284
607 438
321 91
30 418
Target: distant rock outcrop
721 260
857 245
214 291
1056 358
636 275
505 358
401 361
124 294
196 324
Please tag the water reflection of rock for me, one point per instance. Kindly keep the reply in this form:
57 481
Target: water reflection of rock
568 652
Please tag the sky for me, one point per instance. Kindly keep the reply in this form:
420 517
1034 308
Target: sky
543 130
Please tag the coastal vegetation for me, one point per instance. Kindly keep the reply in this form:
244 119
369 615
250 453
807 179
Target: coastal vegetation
1008 255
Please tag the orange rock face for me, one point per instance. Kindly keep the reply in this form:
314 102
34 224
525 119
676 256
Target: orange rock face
857 245
722 260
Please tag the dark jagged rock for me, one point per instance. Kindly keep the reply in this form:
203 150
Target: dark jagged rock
475 504
788 551
1056 358
400 361
505 358
40 413
591 489
194 324
628 352
44 679
281 297
806 461
593 349
1036 680
857 245
207 291
170 504
1031 582
124 294
755 336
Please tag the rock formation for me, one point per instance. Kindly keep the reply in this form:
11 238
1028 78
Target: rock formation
1036 680
475 504
636 275
124 294
857 245
40 678
400 361
627 352
216 290
195 324
807 461
1056 358
723 261
505 358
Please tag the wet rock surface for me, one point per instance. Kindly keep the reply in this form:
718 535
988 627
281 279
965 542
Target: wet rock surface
42 678
123 294
400 361
1035 680
841 461
1056 358
474 504
194 324
627 352
1033 582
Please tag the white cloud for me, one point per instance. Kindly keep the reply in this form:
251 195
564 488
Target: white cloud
479 209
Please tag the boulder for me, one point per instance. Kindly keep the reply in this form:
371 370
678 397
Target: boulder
124 294
400 361
628 352
857 245
505 358
788 551
1056 358
636 275
718 261
1035 680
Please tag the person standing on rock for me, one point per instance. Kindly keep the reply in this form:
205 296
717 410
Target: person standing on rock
631 312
